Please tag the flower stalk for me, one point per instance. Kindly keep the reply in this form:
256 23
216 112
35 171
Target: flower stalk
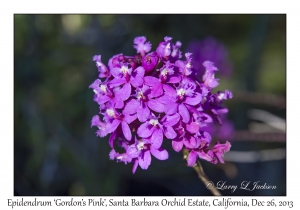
203 177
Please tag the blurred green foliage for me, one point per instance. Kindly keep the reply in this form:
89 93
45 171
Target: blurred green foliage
55 150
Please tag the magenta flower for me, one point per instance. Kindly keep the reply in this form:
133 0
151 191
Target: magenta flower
140 153
113 119
209 75
177 100
150 61
154 129
144 100
103 71
126 76
164 48
156 96
141 45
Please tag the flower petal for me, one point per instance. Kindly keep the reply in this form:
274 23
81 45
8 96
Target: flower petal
145 160
169 90
131 107
117 82
145 130
169 132
143 112
126 131
117 101
96 121
136 78
193 127
171 108
177 145
183 111
125 91
196 99
151 81
160 154
191 160
156 106
111 139
135 165
206 156
129 118
101 99
111 127
170 120
137 81
157 138
174 79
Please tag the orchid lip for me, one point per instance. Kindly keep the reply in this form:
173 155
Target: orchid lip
153 122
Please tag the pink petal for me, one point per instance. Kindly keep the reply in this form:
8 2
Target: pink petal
183 111
156 106
193 127
135 165
170 120
192 158
194 100
137 81
111 139
145 161
126 131
101 99
151 81
169 90
117 101
145 130
206 156
157 138
143 112
171 108
125 91
160 154
140 71
117 82
137 75
174 79
111 127
155 84
177 145
129 118
131 106
156 91
115 72
169 132
165 99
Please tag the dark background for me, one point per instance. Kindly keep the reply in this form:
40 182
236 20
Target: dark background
57 153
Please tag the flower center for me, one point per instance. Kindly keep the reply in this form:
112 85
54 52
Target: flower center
140 95
168 46
124 70
153 122
140 146
164 72
103 88
181 92
111 112
188 65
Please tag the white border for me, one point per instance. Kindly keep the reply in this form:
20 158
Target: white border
8 8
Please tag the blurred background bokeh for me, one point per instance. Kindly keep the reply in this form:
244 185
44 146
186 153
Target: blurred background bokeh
56 152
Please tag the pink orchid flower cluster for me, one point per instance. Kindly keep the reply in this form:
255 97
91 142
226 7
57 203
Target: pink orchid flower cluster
155 96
